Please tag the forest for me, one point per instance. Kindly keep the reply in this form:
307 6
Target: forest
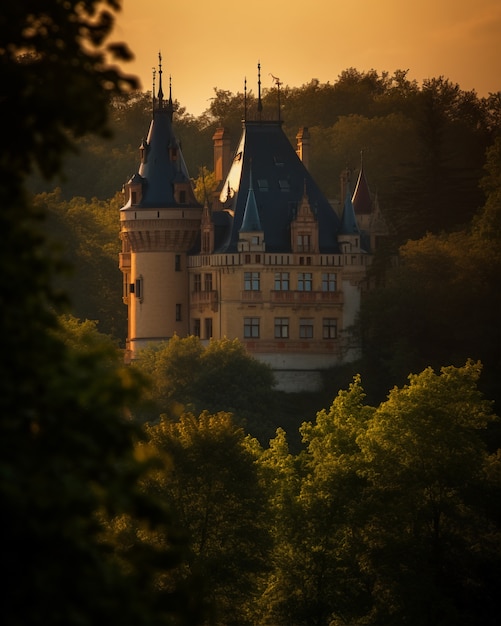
172 491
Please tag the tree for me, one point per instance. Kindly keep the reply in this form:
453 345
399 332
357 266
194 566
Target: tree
213 485
188 377
66 446
316 578
432 539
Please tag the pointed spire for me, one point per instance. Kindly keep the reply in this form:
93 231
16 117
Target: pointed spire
349 225
245 98
160 92
362 199
251 222
259 102
153 88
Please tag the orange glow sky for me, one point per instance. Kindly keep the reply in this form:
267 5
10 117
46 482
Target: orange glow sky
217 43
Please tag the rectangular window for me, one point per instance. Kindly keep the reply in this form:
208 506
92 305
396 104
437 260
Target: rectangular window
251 281
196 327
329 328
303 243
139 287
178 312
208 327
177 263
281 281
251 327
329 282
304 281
281 327
208 282
306 328
197 282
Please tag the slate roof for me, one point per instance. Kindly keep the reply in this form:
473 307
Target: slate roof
279 179
349 225
362 200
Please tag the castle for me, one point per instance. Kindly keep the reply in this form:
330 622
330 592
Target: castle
266 259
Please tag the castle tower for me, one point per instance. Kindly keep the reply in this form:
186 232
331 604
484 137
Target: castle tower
160 223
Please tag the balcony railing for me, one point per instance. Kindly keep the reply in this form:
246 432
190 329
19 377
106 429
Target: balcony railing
124 260
314 297
204 299
294 346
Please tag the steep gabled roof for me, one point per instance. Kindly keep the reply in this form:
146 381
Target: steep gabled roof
278 179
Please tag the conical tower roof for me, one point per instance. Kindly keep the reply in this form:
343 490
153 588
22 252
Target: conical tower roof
349 225
362 200
162 162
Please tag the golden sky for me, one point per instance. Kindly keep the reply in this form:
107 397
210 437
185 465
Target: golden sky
217 43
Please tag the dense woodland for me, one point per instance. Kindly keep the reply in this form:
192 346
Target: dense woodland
174 492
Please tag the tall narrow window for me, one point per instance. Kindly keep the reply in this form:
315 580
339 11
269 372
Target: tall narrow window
178 312
177 263
208 327
208 282
251 327
196 327
197 282
139 288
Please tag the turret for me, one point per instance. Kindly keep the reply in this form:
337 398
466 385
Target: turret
160 222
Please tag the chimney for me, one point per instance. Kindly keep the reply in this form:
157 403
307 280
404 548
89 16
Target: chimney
222 153
303 146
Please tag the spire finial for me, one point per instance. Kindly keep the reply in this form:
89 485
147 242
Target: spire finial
277 83
153 87
245 98
160 92
259 103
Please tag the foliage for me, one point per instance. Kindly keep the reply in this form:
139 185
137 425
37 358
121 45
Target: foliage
213 483
432 544
388 515
86 234
223 376
67 456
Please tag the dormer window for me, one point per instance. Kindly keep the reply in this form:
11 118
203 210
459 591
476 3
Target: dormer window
284 185
304 242
262 184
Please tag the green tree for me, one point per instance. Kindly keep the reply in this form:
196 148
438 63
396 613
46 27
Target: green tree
432 538
223 376
85 231
316 577
214 487
66 447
